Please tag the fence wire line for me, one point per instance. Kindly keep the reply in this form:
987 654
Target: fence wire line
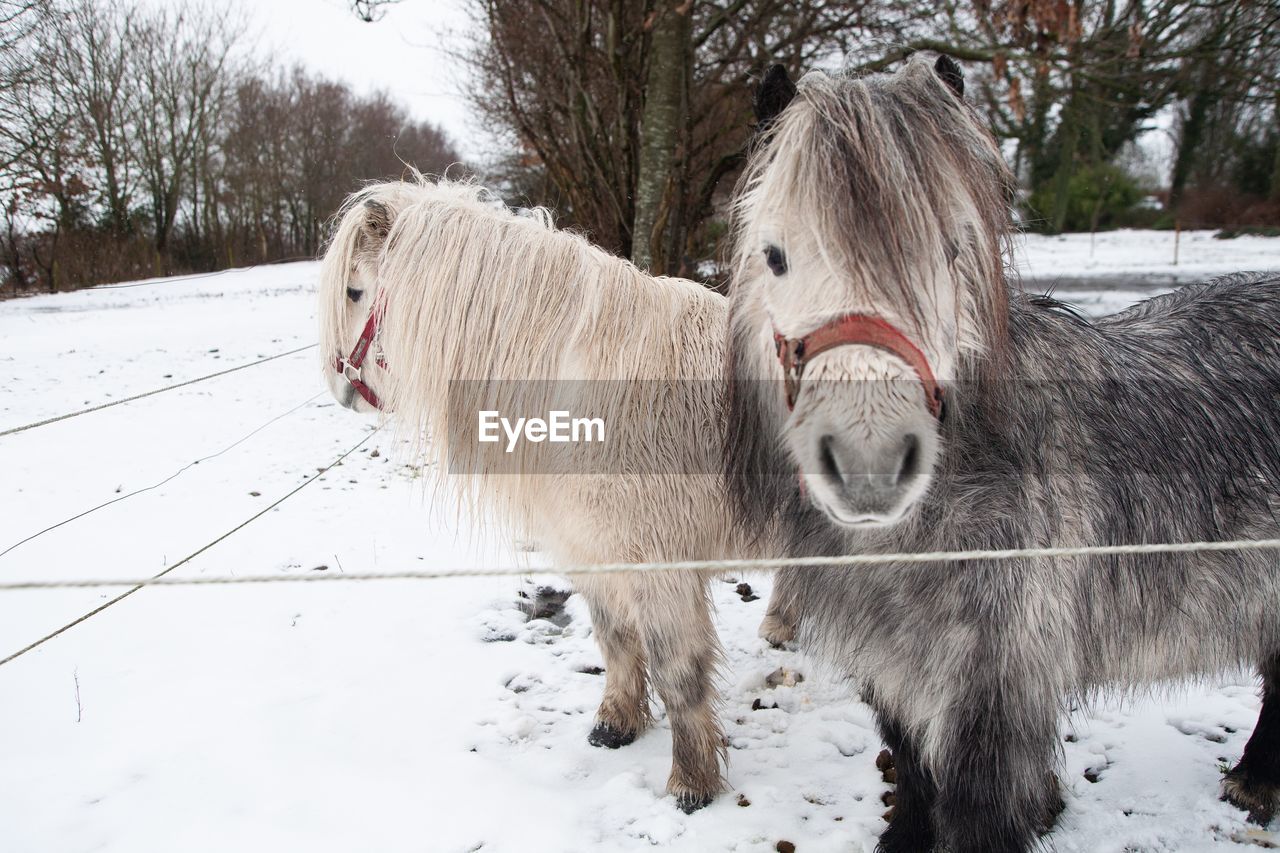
842 561
153 392
166 480
152 580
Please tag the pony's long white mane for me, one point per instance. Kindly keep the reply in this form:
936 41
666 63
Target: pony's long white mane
475 291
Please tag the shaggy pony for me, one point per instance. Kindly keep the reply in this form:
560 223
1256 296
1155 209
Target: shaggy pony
483 308
880 202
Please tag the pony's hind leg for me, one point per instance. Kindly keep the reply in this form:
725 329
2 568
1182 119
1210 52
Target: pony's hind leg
1254 783
683 651
624 709
779 625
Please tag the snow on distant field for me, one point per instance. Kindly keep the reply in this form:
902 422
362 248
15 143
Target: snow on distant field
1102 273
1142 253
396 716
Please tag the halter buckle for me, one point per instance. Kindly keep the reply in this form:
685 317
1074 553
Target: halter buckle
791 354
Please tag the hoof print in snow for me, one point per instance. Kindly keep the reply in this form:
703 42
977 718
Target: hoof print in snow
1094 773
545 602
744 591
1194 728
610 738
743 801
690 803
591 670
521 683
757 705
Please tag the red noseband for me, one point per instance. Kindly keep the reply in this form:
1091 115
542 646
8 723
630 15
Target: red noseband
350 367
854 329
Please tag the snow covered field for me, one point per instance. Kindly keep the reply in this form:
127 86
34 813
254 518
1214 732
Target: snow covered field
417 716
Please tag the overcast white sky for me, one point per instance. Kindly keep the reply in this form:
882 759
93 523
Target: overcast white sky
406 53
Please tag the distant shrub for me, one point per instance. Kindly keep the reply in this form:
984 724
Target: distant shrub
1098 198
1222 206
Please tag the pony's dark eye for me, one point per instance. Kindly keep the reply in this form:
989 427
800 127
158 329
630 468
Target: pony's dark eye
353 294
775 259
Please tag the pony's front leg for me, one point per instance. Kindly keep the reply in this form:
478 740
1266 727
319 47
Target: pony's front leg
683 652
1254 783
994 768
911 827
624 709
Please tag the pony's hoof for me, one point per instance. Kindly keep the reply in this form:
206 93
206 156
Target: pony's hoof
776 632
1055 805
906 834
607 736
1260 799
690 802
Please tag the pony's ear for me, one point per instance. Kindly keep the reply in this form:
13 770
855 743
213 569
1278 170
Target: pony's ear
950 74
377 221
775 92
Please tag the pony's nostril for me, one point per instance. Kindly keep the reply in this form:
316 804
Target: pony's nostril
827 459
910 465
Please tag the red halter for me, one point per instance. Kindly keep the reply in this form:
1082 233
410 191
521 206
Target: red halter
350 367
851 329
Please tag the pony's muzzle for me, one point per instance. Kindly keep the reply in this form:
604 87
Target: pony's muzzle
860 484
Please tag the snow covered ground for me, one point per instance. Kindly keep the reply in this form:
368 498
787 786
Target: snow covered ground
414 716
1101 272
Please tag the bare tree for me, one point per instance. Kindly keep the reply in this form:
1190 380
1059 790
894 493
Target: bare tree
183 73
593 93
92 70
46 176
371 10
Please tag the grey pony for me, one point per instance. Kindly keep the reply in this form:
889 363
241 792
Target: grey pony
1157 424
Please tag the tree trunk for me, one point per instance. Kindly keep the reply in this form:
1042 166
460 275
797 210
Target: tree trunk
1189 144
1275 169
660 130
1068 141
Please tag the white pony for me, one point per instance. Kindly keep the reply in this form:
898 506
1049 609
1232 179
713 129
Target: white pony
479 308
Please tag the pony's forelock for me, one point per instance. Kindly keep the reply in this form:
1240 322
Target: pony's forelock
875 172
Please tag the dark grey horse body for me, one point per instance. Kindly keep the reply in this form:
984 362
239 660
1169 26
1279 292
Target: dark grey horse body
1158 424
